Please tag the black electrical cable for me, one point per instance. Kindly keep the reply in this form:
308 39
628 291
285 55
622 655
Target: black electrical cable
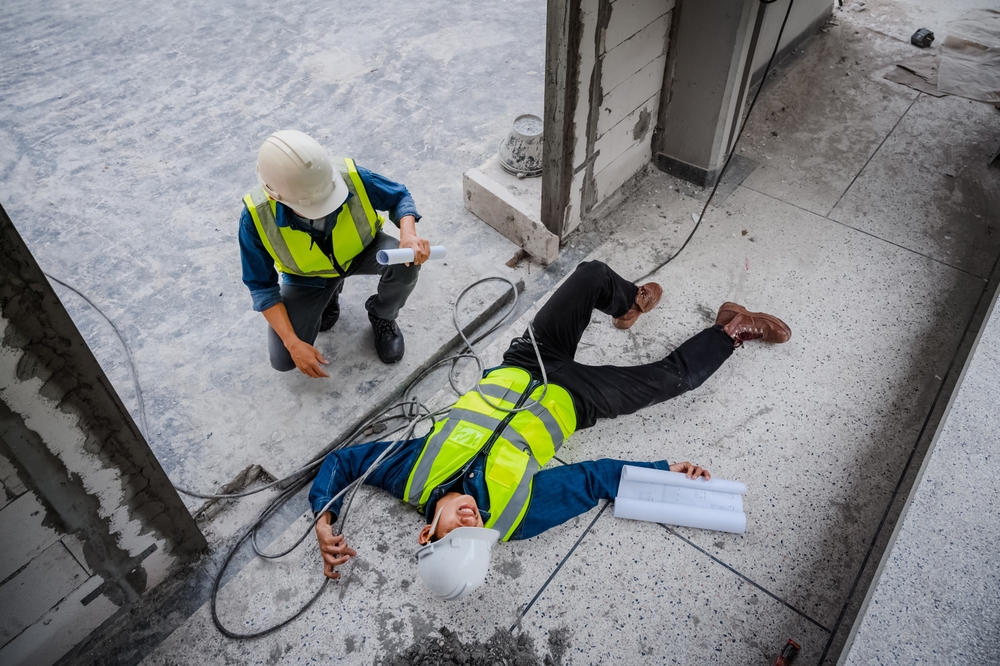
732 151
269 510
300 477
297 479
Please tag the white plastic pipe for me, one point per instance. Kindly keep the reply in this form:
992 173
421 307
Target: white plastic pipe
405 255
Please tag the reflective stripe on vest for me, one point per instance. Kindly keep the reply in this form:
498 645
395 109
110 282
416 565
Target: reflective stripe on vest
519 444
295 252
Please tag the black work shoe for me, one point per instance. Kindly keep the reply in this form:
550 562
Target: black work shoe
388 337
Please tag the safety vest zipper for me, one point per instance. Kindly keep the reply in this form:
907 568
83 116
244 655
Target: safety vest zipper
507 419
494 437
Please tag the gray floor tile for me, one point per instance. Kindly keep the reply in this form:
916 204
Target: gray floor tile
929 188
632 593
814 128
942 568
820 427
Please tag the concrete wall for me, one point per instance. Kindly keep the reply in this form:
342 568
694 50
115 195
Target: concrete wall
619 94
606 63
720 49
806 17
88 519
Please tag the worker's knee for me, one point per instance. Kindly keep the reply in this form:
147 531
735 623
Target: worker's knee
401 274
593 267
282 363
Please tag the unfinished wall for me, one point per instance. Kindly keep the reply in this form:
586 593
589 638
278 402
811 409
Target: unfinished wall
807 16
88 519
720 49
605 65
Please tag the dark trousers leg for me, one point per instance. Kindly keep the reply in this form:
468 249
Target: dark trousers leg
305 305
609 391
560 323
396 282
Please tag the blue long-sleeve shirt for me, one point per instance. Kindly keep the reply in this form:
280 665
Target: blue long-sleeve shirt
558 493
259 274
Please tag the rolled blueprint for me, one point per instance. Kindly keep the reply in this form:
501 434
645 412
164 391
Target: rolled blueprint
664 477
675 514
405 255
662 496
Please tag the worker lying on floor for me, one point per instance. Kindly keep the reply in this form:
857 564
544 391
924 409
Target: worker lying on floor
480 467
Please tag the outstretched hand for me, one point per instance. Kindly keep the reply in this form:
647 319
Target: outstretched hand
692 471
308 359
333 547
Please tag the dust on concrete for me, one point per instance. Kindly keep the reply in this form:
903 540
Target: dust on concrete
500 649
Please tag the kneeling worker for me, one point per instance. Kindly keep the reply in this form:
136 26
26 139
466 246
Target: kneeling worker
479 468
316 220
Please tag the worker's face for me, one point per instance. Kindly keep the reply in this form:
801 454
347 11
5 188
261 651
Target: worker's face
453 511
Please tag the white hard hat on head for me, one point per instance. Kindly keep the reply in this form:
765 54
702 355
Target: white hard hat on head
295 170
456 565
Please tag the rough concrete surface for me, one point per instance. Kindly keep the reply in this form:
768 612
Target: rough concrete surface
501 648
129 132
821 429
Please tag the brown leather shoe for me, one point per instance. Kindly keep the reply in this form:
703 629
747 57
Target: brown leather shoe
741 325
646 299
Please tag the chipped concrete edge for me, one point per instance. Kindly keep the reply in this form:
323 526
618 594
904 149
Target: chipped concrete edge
887 555
494 205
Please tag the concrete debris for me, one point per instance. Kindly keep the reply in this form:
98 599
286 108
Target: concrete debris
501 649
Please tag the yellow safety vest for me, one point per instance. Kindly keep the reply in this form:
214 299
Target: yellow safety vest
518 444
295 252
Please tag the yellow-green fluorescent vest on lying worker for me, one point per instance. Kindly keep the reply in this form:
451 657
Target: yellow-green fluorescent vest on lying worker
519 443
294 251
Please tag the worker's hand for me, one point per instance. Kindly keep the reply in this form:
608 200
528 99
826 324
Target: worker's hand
408 238
333 547
308 359
692 471
421 247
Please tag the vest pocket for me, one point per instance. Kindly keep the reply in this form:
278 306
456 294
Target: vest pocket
468 436
508 464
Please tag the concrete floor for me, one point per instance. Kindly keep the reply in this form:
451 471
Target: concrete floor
123 160
871 227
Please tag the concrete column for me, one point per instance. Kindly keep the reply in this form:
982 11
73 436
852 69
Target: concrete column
562 66
709 69
604 73
719 49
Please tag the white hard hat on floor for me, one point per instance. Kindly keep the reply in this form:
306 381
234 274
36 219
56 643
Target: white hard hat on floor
455 565
295 170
